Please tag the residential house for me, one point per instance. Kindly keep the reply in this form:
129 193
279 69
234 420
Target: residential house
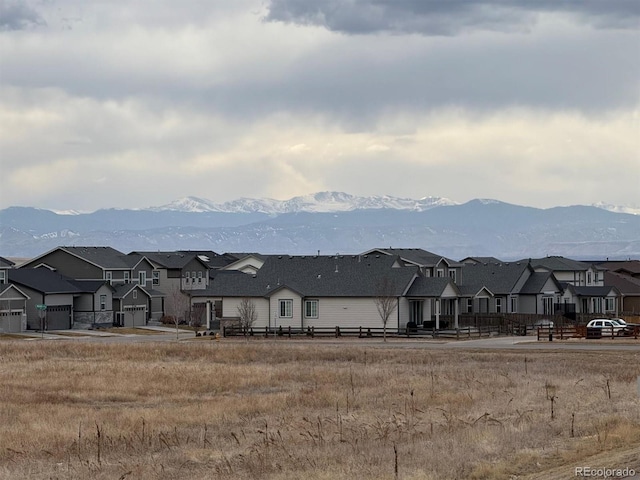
173 274
108 265
45 287
508 287
13 301
583 284
327 291
629 289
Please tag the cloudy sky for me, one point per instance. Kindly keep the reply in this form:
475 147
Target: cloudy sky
134 104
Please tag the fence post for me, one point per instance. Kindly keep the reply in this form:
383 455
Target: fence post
224 330
289 331
457 333
313 331
538 334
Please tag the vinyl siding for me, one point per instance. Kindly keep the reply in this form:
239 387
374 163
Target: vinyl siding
230 309
295 321
349 312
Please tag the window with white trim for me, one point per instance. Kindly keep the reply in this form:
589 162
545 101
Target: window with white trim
498 305
514 304
127 277
441 272
3 277
286 308
452 274
186 277
199 277
108 276
311 308
103 302
469 305
135 294
155 277
142 278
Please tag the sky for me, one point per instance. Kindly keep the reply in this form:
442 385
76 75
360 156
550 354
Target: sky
136 104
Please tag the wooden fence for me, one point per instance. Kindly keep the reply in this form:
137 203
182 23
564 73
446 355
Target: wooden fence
363 332
581 331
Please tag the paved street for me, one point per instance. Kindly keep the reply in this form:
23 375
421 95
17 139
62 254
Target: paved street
167 334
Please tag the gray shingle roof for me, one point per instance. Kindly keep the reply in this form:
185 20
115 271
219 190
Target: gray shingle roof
428 286
536 282
418 256
170 260
624 283
105 257
43 280
558 264
314 276
499 278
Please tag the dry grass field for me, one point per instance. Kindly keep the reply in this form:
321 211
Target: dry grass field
257 409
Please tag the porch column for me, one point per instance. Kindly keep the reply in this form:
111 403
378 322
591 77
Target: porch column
456 311
437 314
209 315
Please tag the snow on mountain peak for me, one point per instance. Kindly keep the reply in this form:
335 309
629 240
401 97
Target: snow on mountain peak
320 202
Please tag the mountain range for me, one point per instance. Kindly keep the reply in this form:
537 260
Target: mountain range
332 222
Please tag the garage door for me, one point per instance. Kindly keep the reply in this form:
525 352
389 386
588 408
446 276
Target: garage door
59 317
135 316
11 322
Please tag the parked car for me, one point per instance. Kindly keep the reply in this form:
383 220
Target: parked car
608 325
625 324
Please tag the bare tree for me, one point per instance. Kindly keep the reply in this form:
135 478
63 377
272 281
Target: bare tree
177 307
197 316
247 313
386 302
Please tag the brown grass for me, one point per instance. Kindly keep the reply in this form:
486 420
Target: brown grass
283 411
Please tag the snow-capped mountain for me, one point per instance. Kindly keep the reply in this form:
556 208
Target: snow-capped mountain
321 202
630 209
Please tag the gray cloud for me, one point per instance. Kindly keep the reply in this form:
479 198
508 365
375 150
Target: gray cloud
18 15
447 17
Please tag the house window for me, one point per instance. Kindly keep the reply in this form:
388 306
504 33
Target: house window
589 278
547 305
469 305
199 277
135 294
597 305
3 277
596 276
186 277
286 308
103 302
514 304
155 277
452 274
608 304
142 278
441 272
498 305
311 308
108 276
127 277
